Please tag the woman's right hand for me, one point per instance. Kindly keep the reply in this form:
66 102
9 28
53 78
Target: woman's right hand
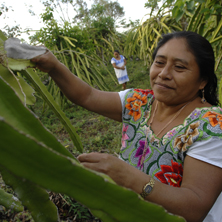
46 62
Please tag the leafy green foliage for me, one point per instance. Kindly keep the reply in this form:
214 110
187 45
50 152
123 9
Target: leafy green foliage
142 40
41 89
33 197
24 91
78 49
55 35
31 163
38 157
37 163
9 201
203 17
77 209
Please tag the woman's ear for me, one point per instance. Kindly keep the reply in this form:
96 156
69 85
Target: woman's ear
203 84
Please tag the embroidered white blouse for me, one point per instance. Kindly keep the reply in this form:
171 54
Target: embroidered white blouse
200 136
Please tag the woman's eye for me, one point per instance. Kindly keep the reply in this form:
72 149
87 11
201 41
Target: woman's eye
180 67
159 63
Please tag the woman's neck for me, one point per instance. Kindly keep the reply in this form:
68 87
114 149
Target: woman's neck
118 58
164 117
164 111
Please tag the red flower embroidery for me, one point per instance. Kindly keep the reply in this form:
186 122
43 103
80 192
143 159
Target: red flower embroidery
144 91
171 175
214 118
134 103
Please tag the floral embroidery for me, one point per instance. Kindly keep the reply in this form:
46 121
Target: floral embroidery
134 104
171 175
140 153
195 114
186 139
171 133
146 115
197 127
124 136
214 118
144 91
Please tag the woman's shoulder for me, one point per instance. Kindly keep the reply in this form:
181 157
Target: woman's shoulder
203 124
138 94
206 113
113 59
135 102
206 133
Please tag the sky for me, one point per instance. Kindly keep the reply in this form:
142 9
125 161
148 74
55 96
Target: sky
21 16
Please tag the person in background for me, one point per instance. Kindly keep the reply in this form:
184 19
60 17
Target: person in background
119 64
171 150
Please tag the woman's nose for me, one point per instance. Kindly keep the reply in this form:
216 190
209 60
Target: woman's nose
165 73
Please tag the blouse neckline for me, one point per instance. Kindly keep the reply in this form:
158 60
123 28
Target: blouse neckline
180 125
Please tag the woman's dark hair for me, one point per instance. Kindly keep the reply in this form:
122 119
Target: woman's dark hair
117 51
204 55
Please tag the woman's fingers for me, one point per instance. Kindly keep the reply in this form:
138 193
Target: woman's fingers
94 161
90 157
46 62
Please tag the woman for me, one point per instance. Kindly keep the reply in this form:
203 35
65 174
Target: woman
172 135
119 64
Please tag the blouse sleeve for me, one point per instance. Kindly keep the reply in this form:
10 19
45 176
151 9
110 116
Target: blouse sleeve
122 95
113 61
209 151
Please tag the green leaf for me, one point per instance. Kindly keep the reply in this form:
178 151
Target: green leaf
42 90
201 29
207 16
190 5
68 40
216 40
201 1
218 60
205 10
24 90
10 202
14 64
193 19
158 34
175 11
33 197
19 64
179 15
13 111
216 30
37 163
2 36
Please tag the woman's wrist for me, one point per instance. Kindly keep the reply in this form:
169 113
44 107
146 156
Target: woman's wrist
57 69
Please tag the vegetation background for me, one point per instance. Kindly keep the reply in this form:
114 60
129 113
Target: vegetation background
85 44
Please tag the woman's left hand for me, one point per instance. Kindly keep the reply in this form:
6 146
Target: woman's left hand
122 173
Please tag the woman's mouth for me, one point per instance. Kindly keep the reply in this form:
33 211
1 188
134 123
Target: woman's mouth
161 85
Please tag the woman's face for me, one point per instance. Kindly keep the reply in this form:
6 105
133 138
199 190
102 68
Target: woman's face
174 74
116 54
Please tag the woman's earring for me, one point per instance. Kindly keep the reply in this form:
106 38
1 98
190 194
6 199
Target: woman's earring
203 100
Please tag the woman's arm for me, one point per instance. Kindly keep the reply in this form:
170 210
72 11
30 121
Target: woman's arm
202 184
79 92
116 67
